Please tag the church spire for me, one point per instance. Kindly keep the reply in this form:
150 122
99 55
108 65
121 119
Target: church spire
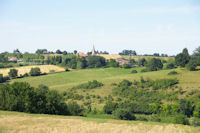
93 51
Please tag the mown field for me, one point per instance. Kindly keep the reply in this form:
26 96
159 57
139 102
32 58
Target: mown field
13 122
62 81
26 69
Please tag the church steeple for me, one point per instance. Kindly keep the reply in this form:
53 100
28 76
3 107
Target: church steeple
93 51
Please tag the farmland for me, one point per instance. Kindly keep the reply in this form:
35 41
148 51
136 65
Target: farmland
26 69
11 122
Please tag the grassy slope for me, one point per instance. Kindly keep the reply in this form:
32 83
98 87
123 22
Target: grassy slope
65 80
12 122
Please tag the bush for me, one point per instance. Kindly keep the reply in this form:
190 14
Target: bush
181 119
124 114
109 107
154 64
173 73
126 66
124 83
155 118
141 118
13 73
191 65
90 85
25 75
134 71
75 109
3 79
193 121
170 66
144 70
35 71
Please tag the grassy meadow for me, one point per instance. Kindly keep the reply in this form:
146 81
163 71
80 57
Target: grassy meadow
13 122
62 81
26 69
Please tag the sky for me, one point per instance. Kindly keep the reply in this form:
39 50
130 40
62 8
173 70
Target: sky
147 26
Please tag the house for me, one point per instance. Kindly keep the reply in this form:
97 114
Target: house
121 61
12 58
82 54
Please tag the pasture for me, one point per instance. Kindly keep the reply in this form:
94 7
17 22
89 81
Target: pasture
12 122
65 80
26 69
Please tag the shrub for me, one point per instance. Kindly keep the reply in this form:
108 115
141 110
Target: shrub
141 118
170 66
109 107
154 64
155 118
144 70
191 65
134 71
3 79
124 114
90 85
35 71
180 119
193 121
163 83
173 73
126 66
13 73
124 83
75 109
25 75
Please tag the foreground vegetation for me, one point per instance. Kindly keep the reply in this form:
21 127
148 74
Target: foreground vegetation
20 122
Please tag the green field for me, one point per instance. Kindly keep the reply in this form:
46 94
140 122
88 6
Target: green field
65 80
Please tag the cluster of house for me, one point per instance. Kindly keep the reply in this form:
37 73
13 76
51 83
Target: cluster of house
14 59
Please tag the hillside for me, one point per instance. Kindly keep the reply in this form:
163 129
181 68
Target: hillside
12 122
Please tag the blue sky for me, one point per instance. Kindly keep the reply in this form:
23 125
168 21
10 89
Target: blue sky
147 26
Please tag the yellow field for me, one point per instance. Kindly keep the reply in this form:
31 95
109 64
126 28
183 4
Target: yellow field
112 56
26 69
12 122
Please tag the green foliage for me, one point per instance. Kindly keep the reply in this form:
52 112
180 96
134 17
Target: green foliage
13 73
110 107
35 71
173 73
181 119
96 61
134 71
3 79
163 83
170 66
113 63
124 114
142 62
126 66
75 109
193 121
192 65
183 58
89 85
154 64
20 96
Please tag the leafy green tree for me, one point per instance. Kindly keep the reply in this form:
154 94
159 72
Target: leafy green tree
113 63
35 71
110 107
192 65
96 61
183 58
13 73
154 64
75 109
170 66
142 62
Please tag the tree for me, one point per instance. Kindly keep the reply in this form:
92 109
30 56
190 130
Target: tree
110 107
113 63
58 51
170 66
154 64
75 51
35 71
142 62
96 61
128 52
13 73
183 58
192 65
